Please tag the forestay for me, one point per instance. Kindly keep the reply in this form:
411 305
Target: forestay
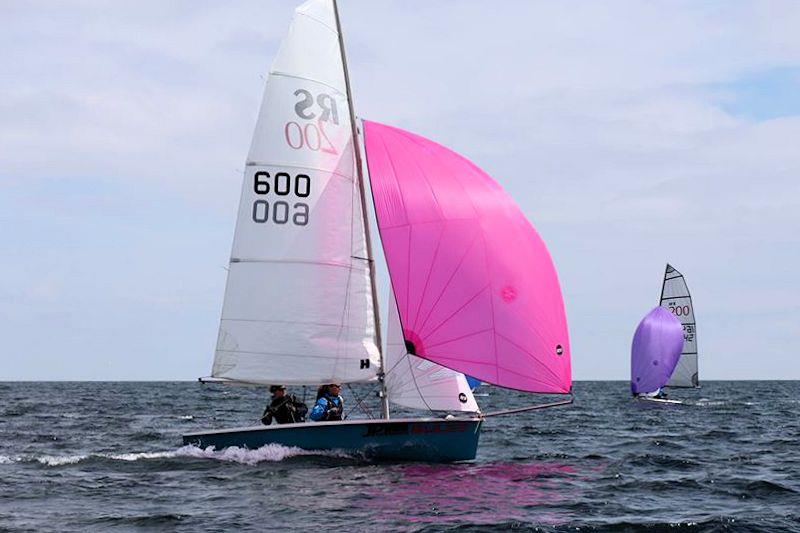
475 285
676 298
418 383
298 304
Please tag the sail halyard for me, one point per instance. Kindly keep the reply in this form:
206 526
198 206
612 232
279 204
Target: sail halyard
362 196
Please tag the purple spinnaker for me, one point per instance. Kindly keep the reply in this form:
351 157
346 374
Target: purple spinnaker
655 351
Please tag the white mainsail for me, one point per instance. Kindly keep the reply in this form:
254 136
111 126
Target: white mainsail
298 302
418 383
676 298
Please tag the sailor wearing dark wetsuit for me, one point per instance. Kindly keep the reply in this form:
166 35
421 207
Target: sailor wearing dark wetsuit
284 408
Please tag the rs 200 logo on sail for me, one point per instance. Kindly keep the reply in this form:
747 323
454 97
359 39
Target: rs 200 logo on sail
313 135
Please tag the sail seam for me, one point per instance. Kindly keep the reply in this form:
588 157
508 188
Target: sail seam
459 337
491 297
449 280
299 261
335 173
296 77
315 19
461 308
539 361
287 322
276 354
428 277
539 379
444 220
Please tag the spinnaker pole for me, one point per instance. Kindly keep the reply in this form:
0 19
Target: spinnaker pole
362 195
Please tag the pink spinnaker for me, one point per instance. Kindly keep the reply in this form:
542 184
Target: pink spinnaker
475 285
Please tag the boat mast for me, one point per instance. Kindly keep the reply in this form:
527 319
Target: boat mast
370 259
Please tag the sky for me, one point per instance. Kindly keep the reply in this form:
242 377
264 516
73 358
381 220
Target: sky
630 133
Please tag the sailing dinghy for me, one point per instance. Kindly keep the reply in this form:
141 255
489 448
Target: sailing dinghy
675 297
473 288
655 350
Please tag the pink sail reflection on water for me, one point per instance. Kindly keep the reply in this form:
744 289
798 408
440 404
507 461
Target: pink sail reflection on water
476 494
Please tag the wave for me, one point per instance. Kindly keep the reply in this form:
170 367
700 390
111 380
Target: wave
267 453
764 488
705 524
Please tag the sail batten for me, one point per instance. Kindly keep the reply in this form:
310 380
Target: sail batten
468 270
304 261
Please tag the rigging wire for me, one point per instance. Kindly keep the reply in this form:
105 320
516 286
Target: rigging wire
359 403
416 385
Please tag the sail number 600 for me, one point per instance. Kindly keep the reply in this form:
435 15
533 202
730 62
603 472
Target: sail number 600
282 184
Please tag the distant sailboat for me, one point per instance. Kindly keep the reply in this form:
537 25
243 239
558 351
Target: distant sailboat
675 297
473 288
655 351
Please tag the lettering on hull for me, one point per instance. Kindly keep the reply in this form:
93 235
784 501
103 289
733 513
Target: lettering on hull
384 430
418 428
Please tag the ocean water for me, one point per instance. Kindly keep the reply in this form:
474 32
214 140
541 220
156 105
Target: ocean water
108 457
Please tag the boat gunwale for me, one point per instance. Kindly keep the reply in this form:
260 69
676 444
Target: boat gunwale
367 421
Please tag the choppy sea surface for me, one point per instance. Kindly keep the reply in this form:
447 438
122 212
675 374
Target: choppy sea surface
108 456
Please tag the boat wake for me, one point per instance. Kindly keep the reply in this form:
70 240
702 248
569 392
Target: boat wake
267 453
706 402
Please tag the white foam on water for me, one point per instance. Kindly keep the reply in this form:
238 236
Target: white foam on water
267 453
138 455
705 402
55 460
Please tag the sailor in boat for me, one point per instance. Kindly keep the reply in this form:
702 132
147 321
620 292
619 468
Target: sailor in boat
657 394
284 408
329 406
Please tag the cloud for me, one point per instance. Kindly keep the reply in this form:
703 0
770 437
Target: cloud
630 134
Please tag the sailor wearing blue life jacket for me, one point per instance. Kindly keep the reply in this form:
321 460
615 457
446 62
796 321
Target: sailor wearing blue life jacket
329 406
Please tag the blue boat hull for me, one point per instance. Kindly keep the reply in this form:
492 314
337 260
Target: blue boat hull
414 439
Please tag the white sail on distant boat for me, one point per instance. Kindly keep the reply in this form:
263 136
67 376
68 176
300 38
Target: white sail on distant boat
675 297
474 290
